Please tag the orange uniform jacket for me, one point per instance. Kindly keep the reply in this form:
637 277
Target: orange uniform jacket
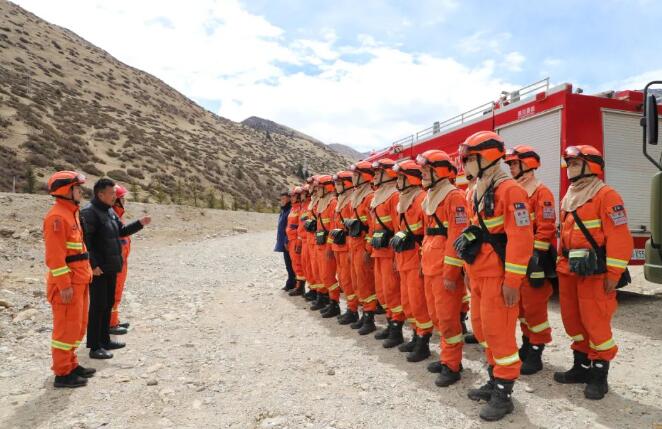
543 217
410 259
63 237
511 203
363 210
439 256
388 214
605 218
292 231
338 223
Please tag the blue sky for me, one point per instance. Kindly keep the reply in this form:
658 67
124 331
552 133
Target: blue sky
365 73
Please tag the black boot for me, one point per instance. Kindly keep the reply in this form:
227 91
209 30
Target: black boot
578 373
322 301
383 334
409 347
533 361
421 349
597 386
524 349
70 380
311 295
501 403
394 336
469 337
435 367
348 317
368 323
380 309
334 310
484 392
326 308
84 372
358 323
447 377
288 286
299 290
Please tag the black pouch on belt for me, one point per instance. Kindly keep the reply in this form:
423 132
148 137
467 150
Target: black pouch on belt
339 236
381 238
310 225
535 271
402 240
320 237
468 244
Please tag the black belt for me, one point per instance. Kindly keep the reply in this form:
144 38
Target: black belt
79 257
436 231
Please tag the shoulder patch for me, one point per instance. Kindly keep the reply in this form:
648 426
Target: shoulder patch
618 215
548 211
57 224
522 215
461 217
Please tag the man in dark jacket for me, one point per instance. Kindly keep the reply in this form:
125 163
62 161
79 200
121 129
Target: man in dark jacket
103 230
281 239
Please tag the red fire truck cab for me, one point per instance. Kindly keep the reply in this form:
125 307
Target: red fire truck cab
550 119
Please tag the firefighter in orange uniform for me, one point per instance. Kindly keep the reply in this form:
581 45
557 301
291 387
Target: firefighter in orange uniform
596 246
446 217
117 328
69 275
537 287
358 229
384 213
312 226
326 260
294 242
469 337
302 235
346 276
498 248
407 246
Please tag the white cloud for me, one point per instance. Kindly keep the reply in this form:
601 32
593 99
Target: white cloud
513 61
482 41
215 50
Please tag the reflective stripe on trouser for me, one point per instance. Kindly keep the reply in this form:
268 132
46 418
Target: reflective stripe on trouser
119 289
413 282
326 266
533 312
447 307
494 325
586 311
388 281
365 279
69 324
344 275
296 259
314 266
430 298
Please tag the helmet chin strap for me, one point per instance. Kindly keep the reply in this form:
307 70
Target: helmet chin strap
522 171
482 170
67 199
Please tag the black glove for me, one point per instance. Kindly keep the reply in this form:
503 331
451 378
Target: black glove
468 243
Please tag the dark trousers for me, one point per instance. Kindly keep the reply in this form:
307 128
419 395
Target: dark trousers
291 277
102 299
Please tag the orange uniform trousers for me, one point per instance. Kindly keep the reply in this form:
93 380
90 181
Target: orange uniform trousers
586 311
69 326
119 285
326 265
533 312
364 274
494 326
447 306
316 280
297 260
346 279
412 282
387 281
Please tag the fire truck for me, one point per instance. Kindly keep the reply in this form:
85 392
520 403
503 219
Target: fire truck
550 118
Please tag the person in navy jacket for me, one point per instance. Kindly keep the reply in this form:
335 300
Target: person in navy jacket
281 239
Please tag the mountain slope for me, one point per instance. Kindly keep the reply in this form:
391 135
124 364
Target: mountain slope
347 151
65 103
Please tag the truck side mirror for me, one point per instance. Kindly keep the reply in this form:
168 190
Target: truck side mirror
650 113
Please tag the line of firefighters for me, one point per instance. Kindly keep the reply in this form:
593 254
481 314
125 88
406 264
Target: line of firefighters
403 238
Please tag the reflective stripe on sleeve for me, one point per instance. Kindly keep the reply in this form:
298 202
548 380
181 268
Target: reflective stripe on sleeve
74 246
449 260
60 271
617 263
591 224
541 245
515 268
494 222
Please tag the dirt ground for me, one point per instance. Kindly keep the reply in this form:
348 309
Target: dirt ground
215 343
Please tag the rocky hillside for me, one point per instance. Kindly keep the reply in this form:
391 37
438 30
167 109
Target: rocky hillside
66 104
348 152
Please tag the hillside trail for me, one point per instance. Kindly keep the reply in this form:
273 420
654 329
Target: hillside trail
214 342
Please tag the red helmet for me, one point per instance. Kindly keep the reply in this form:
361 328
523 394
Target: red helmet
120 191
411 170
326 181
488 144
61 182
364 170
441 163
589 154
